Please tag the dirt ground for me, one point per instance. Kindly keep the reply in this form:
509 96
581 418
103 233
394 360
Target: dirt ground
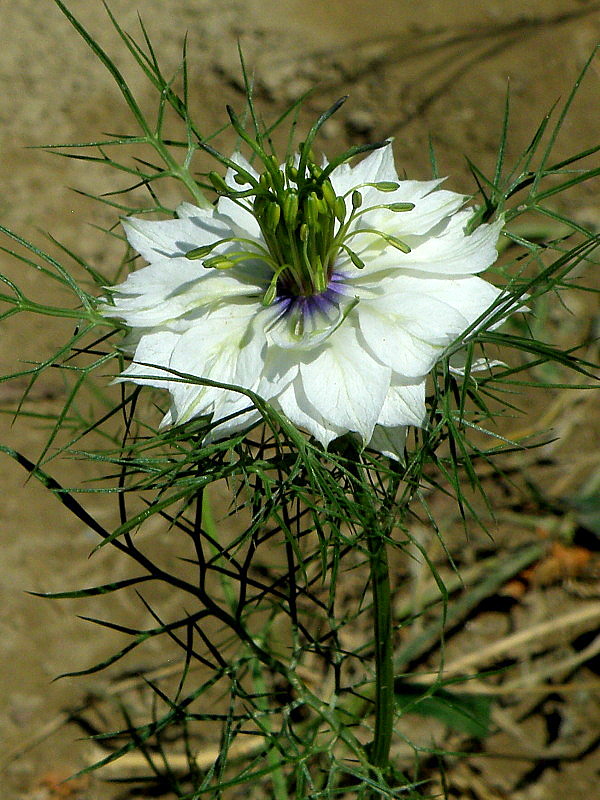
412 70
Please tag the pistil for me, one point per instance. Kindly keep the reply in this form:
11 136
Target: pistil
304 224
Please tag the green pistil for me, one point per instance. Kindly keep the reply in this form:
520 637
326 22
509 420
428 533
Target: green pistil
298 212
298 228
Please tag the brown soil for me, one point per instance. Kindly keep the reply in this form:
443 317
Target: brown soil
412 70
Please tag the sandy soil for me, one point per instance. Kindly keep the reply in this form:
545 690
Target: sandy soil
412 70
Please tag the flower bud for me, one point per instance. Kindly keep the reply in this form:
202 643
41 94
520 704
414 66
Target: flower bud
218 183
266 183
218 262
328 194
340 209
311 210
358 262
386 186
400 206
290 208
291 172
397 243
319 277
200 252
271 293
314 170
260 207
323 207
272 216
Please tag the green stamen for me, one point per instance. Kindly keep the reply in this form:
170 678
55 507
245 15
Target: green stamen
304 223
218 182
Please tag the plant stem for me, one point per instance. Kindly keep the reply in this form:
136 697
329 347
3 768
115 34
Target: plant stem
379 750
384 668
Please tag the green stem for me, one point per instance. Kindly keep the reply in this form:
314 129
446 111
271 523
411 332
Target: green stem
379 751
384 666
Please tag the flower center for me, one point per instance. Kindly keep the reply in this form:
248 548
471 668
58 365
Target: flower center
304 224
298 220
304 321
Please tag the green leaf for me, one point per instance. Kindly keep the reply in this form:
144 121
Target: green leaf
467 713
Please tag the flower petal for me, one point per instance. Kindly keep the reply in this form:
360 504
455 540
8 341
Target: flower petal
428 212
169 288
452 251
389 441
238 216
171 237
154 347
233 413
345 384
377 166
243 162
278 371
471 296
294 403
240 211
409 332
211 349
404 404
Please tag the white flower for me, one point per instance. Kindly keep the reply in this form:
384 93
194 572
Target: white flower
331 294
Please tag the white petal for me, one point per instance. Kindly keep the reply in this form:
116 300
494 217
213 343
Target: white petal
211 349
243 162
169 288
297 408
377 166
252 348
172 237
389 441
187 401
471 296
345 384
240 212
414 191
238 218
155 348
230 426
279 369
233 411
404 404
409 332
428 212
452 251
185 209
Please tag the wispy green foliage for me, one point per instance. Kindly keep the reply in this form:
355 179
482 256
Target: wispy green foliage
259 610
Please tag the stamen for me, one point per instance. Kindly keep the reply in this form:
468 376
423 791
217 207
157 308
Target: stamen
305 226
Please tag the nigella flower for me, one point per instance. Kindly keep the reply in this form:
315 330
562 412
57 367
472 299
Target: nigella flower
330 291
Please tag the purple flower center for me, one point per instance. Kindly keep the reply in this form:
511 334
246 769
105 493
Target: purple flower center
309 305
